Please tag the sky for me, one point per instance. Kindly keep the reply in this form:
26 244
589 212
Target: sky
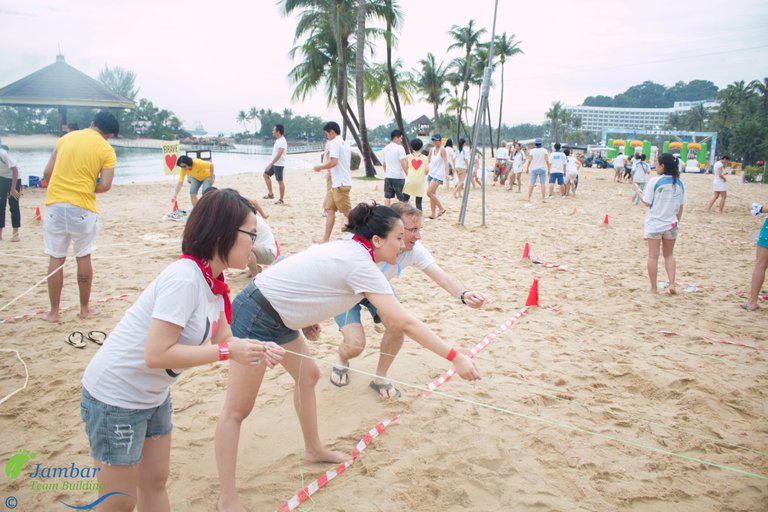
206 61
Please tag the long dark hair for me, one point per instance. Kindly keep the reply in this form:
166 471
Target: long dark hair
372 219
671 167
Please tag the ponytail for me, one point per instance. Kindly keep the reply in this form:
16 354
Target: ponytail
372 219
671 167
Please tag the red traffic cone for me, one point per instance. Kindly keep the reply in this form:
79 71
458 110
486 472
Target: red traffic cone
527 251
38 216
175 205
605 220
533 295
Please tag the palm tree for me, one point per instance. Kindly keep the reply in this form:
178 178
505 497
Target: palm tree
242 118
377 83
253 115
393 16
760 87
465 38
503 48
478 63
555 115
370 171
432 84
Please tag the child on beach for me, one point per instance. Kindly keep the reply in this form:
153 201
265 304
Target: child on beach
664 196
418 168
180 321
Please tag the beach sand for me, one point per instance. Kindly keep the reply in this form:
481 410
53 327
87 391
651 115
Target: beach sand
581 408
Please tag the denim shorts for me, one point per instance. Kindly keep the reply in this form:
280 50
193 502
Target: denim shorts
670 234
430 179
353 315
541 174
116 434
251 321
194 185
556 177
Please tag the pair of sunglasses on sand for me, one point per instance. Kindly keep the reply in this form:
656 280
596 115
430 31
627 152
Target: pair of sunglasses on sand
77 339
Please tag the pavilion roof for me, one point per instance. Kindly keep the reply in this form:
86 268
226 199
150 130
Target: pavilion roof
422 120
61 85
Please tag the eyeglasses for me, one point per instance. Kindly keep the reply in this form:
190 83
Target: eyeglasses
413 231
250 234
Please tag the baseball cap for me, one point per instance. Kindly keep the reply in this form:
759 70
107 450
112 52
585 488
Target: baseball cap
437 136
538 141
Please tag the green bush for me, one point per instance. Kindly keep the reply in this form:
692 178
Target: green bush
754 174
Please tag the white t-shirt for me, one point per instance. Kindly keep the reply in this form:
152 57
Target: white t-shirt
280 143
449 153
265 247
718 184
321 282
538 158
462 160
570 165
418 257
639 172
557 162
117 375
517 162
6 162
665 200
340 175
619 161
392 155
502 154
436 164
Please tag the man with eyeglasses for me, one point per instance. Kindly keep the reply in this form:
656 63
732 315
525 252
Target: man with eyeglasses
416 255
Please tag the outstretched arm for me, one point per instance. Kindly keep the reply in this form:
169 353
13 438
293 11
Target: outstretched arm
454 287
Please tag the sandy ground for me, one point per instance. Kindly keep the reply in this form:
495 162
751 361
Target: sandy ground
586 407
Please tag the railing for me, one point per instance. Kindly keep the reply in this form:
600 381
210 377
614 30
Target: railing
242 149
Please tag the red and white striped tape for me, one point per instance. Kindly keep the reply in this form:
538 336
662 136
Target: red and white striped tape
474 350
38 313
716 340
326 477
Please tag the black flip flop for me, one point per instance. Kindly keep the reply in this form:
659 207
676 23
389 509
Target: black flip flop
98 337
383 390
76 340
342 374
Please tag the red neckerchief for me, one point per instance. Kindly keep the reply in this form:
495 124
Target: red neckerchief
218 286
365 243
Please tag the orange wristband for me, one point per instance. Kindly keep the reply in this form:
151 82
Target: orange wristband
223 351
452 354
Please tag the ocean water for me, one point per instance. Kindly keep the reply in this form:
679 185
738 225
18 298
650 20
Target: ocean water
145 165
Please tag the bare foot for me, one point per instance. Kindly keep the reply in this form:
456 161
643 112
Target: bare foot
230 505
88 312
654 290
672 290
16 238
51 316
326 455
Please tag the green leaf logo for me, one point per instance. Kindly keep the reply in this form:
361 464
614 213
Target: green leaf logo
16 463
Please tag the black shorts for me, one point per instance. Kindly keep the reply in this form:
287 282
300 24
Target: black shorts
394 187
277 171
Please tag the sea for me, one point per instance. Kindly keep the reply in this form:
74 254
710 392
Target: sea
141 165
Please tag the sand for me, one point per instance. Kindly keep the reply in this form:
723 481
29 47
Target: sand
581 408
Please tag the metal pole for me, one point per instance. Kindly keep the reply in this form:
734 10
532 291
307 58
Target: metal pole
479 116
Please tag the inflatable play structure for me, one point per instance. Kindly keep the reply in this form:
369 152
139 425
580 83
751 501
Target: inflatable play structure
703 151
688 151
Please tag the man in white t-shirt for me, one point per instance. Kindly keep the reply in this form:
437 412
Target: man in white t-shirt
557 163
277 164
338 161
537 164
416 255
618 167
395 168
10 188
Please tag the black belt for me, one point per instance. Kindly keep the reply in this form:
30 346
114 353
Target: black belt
262 301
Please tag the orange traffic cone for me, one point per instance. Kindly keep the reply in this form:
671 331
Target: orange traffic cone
605 220
526 252
38 216
175 205
533 295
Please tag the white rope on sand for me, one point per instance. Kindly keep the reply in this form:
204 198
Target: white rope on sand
26 374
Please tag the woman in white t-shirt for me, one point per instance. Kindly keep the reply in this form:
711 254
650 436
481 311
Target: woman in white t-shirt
298 293
572 166
438 165
181 320
665 196
640 176
460 163
718 184
518 161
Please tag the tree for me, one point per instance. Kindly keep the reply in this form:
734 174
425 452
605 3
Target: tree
761 88
243 118
377 83
432 84
370 171
393 17
555 114
120 81
505 46
466 38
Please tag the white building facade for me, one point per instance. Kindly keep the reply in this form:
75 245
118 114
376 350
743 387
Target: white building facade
597 119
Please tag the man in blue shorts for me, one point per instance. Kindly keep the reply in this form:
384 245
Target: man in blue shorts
538 165
557 162
414 254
